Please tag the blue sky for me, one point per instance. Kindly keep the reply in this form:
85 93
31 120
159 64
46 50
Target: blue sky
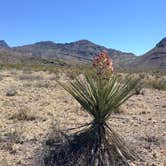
127 25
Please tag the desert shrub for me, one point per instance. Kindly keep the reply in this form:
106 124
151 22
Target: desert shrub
29 77
156 84
43 84
142 75
23 113
11 66
27 84
27 70
97 143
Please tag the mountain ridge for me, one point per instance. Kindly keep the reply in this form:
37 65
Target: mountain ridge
83 51
153 59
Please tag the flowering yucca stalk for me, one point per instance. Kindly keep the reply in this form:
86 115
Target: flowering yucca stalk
103 64
97 144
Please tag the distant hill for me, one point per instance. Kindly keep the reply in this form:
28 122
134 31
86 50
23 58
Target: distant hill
155 59
82 52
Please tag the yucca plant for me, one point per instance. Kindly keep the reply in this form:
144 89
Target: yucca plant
97 144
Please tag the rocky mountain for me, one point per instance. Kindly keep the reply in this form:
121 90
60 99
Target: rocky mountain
82 51
153 59
9 56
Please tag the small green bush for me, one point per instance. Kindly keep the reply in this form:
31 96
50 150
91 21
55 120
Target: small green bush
160 85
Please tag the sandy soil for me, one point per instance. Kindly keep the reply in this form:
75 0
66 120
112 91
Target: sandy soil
39 104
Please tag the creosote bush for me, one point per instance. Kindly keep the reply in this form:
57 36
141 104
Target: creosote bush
96 144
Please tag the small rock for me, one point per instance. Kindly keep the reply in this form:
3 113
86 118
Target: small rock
19 162
154 155
153 164
163 121
154 121
157 105
149 118
134 117
65 101
11 92
162 151
142 92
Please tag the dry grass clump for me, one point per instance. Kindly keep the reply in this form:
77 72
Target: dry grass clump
27 70
30 77
44 84
23 113
157 84
73 73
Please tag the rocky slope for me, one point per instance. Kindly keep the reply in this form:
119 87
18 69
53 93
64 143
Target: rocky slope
153 59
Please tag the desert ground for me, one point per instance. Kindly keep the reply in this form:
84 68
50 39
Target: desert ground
32 105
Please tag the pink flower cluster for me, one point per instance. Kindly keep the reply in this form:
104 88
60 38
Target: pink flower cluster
103 64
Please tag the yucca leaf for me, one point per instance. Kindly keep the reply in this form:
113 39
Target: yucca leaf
100 97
